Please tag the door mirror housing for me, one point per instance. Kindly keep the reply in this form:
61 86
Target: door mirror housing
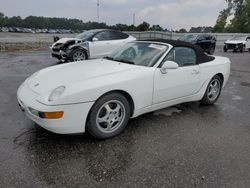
94 39
169 65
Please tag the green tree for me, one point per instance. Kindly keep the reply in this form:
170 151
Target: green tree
144 26
1 15
156 28
241 19
222 20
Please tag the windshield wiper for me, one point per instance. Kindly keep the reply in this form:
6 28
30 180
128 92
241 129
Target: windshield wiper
126 61
109 58
119 60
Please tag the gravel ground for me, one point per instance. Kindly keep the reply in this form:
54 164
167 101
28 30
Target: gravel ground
188 145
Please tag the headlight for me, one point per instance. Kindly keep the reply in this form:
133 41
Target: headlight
60 46
56 93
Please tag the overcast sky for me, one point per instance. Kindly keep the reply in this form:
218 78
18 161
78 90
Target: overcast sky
174 14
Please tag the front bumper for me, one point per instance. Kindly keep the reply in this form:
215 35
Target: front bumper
73 120
233 46
59 54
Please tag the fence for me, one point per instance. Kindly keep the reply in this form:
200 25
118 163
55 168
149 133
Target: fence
221 37
27 41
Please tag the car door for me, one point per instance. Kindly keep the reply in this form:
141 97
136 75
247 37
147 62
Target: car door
181 82
100 45
200 41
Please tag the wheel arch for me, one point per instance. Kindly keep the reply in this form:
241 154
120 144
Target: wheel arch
80 48
122 92
221 76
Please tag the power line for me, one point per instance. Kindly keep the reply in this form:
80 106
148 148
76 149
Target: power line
98 14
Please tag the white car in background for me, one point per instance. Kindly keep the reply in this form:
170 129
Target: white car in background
101 95
90 44
237 43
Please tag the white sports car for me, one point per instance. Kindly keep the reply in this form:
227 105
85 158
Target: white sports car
101 95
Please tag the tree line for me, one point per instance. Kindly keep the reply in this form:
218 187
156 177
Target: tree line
39 22
235 18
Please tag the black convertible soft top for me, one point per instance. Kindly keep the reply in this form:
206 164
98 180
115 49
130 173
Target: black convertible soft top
201 56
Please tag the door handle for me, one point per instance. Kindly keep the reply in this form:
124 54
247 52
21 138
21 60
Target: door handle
195 72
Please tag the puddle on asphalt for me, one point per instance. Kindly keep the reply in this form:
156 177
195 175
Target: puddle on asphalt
236 98
167 111
246 84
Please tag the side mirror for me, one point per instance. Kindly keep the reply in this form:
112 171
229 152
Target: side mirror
94 39
168 65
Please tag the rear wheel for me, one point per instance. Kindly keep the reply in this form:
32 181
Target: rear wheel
78 55
213 90
109 116
225 49
211 51
242 49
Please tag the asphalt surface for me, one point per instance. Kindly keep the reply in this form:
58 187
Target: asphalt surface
188 145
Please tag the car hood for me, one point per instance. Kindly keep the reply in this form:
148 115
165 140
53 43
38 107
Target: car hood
50 78
64 40
235 41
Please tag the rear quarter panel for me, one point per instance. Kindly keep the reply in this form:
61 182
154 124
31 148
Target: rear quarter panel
220 65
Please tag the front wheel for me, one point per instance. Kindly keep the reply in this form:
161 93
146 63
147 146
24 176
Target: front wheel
213 90
109 116
78 55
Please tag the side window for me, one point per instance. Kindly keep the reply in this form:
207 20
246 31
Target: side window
170 56
208 37
185 56
202 37
104 35
118 35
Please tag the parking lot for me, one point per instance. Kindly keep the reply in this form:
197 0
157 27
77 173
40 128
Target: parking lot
188 145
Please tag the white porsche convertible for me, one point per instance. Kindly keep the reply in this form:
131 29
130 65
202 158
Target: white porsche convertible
101 95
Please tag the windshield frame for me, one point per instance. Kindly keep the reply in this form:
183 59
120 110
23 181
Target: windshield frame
91 34
161 54
239 38
184 37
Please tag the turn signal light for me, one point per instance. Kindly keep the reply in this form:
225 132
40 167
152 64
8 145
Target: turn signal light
51 115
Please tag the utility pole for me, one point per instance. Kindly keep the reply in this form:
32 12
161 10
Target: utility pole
98 15
133 21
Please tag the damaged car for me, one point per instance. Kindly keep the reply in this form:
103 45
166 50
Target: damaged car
89 44
237 43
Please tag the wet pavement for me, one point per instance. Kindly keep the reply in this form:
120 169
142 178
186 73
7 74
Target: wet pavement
188 145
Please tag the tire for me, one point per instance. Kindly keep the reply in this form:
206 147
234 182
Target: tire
109 116
225 49
77 55
249 49
211 51
213 91
242 49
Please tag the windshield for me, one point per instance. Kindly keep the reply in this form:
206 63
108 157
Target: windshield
188 38
139 53
85 35
239 38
